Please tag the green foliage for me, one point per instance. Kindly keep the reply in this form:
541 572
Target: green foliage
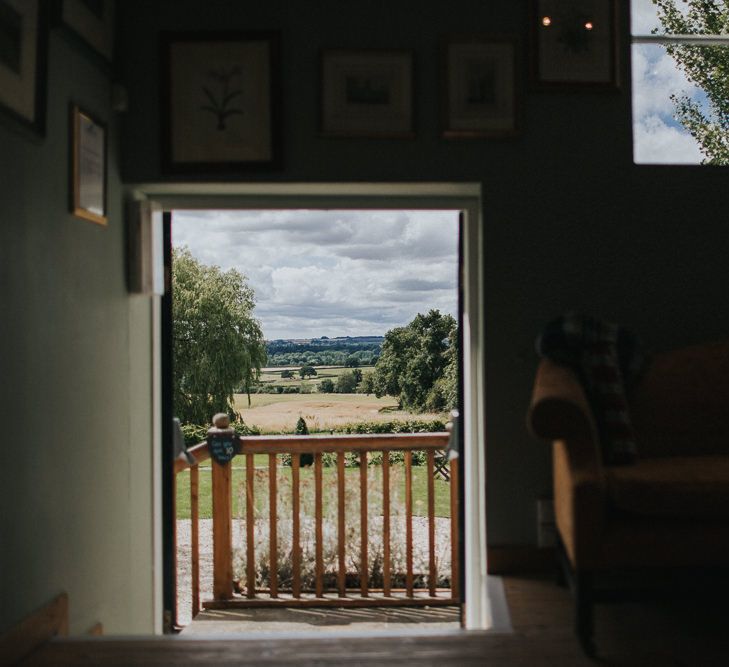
346 383
324 351
301 427
408 426
286 374
367 383
326 386
305 371
352 361
197 433
419 363
707 67
218 344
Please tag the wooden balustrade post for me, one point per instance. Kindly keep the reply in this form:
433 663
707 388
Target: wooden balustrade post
218 436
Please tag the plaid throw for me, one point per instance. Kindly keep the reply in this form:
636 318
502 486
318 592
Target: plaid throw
607 359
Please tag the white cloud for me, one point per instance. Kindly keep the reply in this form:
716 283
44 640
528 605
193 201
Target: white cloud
332 273
655 142
657 137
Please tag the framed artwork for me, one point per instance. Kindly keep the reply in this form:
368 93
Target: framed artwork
23 62
367 94
574 44
480 86
91 21
88 167
221 102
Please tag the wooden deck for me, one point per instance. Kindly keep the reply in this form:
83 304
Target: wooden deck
641 634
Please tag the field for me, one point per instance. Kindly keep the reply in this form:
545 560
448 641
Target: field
272 375
276 413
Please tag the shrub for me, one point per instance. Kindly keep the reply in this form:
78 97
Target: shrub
197 433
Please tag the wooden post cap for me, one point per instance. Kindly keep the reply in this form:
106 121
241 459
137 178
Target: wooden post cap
221 420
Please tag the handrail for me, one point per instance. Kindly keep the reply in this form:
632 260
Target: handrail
297 444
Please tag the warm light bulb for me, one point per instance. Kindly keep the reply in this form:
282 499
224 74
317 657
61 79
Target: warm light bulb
546 21
589 25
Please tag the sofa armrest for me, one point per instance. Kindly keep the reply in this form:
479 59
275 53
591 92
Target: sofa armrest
559 407
560 413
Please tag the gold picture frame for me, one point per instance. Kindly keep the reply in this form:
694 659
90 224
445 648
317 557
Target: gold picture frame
88 167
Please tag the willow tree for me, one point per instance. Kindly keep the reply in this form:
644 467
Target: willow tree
218 344
706 66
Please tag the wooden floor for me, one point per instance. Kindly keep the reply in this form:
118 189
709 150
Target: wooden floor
666 634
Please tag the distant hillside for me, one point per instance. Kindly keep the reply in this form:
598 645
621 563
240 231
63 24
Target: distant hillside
324 351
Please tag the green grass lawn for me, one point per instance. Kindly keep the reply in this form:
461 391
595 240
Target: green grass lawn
272 376
352 482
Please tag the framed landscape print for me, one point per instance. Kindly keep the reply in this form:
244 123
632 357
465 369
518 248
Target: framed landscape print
574 44
367 94
91 21
480 89
88 167
221 107
23 56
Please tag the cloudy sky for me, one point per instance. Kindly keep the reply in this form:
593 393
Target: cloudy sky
657 137
331 273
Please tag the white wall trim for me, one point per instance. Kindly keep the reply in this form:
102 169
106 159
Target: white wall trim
464 197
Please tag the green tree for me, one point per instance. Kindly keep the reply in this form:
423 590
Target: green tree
218 345
346 383
326 386
367 385
305 371
418 363
286 375
305 459
351 361
707 67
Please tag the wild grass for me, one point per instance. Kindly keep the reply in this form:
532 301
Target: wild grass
330 541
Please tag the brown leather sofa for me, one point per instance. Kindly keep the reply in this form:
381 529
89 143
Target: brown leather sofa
669 509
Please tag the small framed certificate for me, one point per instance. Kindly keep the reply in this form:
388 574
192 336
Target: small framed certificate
88 167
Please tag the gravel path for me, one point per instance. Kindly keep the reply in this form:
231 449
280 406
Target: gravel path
184 595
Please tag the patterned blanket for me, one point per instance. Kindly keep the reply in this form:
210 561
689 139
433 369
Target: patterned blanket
608 361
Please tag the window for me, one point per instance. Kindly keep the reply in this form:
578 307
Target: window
680 63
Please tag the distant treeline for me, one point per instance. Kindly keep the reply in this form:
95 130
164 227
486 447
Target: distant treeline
355 351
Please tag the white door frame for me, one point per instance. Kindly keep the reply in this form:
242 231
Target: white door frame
465 197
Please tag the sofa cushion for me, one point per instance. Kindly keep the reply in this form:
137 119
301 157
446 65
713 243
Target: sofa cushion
695 486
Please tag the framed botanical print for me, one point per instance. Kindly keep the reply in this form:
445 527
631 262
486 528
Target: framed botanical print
23 59
574 44
480 88
221 106
367 94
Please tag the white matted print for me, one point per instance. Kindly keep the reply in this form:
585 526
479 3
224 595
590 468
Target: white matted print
480 80
221 110
367 94
574 43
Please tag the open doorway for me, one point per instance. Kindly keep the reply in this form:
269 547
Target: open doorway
325 323
451 197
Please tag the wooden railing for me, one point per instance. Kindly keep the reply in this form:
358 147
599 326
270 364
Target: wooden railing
325 591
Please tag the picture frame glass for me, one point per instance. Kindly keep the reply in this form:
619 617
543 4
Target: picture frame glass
220 103
91 143
19 66
367 93
575 41
481 88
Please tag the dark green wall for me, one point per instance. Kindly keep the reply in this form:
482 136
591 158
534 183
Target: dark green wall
570 222
75 388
